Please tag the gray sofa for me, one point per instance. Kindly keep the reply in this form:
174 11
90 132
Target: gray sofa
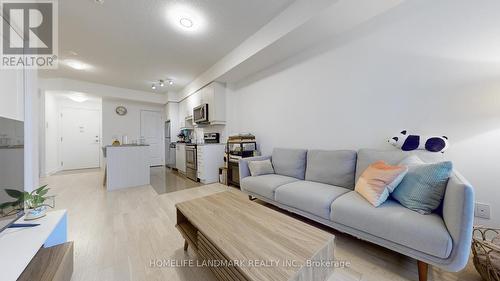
319 185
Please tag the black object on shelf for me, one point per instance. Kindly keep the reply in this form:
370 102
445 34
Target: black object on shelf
236 150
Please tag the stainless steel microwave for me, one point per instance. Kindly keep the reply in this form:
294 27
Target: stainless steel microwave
200 113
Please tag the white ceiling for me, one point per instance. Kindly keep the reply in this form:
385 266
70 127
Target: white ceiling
131 43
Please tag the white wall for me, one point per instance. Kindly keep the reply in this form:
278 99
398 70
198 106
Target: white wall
54 104
32 114
430 67
52 135
116 126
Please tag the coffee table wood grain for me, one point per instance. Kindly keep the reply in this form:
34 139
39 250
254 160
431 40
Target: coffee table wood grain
259 243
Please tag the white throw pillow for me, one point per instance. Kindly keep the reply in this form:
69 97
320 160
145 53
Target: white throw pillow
258 168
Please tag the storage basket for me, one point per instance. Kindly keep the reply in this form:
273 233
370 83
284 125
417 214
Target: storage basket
486 251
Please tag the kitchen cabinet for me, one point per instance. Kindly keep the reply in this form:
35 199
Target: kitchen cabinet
214 95
12 94
180 157
210 158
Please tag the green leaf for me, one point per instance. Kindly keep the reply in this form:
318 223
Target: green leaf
7 204
38 190
43 192
14 193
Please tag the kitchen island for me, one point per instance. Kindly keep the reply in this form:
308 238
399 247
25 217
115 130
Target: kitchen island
126 166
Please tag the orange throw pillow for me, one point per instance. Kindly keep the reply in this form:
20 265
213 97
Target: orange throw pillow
378 181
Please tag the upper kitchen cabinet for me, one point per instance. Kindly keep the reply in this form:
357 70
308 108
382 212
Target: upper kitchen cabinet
214 94
12 94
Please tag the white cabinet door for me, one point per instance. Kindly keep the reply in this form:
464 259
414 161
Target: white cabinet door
180 157
201 163
152 128
209 160
177 157
12 93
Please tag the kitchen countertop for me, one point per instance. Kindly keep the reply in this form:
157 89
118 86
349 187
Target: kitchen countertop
11 146
105 148
126 145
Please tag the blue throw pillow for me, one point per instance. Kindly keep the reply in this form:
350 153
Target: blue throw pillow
423 187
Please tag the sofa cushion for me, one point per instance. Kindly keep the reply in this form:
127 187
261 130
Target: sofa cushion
312 197
378 181
290 162
335 167
422 189
265 185
260 167
392 157
395 223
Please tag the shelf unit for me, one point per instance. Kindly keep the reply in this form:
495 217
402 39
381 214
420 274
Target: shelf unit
240 149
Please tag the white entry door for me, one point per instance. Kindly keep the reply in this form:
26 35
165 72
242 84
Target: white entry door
152 132
80 138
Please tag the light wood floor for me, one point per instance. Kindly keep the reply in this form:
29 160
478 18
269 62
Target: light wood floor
165 180
117 234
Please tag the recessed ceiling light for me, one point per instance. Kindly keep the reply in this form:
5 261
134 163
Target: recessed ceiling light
99 1
170 82
78 65
186 19
162 83
153 87
78 97
187 23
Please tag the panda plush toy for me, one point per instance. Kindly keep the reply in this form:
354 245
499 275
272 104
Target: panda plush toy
409 142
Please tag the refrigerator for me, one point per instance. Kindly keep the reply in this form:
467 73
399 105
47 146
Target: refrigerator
169 150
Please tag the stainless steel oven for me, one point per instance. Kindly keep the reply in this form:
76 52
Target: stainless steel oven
191 162
200 113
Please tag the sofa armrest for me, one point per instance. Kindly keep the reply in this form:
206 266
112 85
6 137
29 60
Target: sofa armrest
458 215
243 165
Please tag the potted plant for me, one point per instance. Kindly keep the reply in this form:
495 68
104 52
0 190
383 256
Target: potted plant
33 202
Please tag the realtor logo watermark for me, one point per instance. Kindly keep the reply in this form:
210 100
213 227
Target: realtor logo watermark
29 34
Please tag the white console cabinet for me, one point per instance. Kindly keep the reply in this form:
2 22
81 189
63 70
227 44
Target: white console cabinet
20 245
210 159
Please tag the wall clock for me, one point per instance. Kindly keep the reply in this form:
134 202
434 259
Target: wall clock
121 110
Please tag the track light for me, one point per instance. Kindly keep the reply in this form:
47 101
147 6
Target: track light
161 83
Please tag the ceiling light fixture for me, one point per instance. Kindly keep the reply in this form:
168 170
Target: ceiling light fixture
78 65
186 19
187 23
161 83
78 97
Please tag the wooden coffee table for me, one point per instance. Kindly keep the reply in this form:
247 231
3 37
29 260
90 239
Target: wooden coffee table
239 239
